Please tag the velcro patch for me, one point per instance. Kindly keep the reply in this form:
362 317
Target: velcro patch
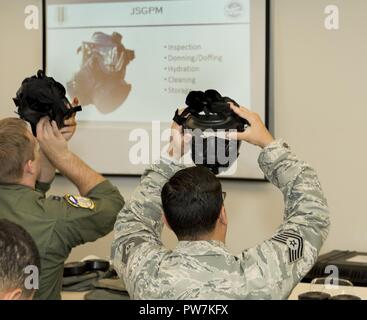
80 202
294 242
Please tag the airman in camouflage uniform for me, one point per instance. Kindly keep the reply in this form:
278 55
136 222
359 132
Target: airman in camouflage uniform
206 269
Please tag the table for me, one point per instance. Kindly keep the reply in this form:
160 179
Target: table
300 288
333 291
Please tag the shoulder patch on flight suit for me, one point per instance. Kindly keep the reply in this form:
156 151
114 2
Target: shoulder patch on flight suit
57 198
79 202
294 242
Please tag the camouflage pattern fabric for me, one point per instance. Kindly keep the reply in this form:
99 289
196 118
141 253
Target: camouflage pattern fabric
206 269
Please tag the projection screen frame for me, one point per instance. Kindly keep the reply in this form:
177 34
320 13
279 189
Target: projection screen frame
267 82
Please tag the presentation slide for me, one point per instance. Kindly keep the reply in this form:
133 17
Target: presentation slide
132 63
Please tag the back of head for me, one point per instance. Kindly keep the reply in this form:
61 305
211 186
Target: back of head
16 148
17 251
192 201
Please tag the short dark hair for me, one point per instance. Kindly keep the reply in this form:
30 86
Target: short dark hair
16 148
192 200
17 251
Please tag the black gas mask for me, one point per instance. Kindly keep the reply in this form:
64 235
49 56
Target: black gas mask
100 80
41 96
208 118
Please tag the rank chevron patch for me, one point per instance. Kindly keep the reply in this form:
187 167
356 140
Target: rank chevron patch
294 243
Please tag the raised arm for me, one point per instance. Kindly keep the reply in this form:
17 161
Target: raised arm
290 254
54 145
139 225
47 174
278 264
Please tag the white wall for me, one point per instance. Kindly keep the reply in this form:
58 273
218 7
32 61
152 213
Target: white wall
319 106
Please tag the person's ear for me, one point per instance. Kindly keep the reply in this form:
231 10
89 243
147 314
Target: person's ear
16 294
223 216
29 168
164 220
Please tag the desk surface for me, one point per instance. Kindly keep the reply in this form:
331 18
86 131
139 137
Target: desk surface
300 288
332 290
65 295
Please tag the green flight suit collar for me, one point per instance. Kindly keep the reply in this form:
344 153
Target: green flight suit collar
202 248
40 186
14 186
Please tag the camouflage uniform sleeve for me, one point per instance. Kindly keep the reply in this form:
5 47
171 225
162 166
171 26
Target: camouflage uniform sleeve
139 224
276 266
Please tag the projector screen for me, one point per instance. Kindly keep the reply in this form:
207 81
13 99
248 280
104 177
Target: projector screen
132 63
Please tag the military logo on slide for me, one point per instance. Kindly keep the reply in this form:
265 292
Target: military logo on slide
234 9
294 243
